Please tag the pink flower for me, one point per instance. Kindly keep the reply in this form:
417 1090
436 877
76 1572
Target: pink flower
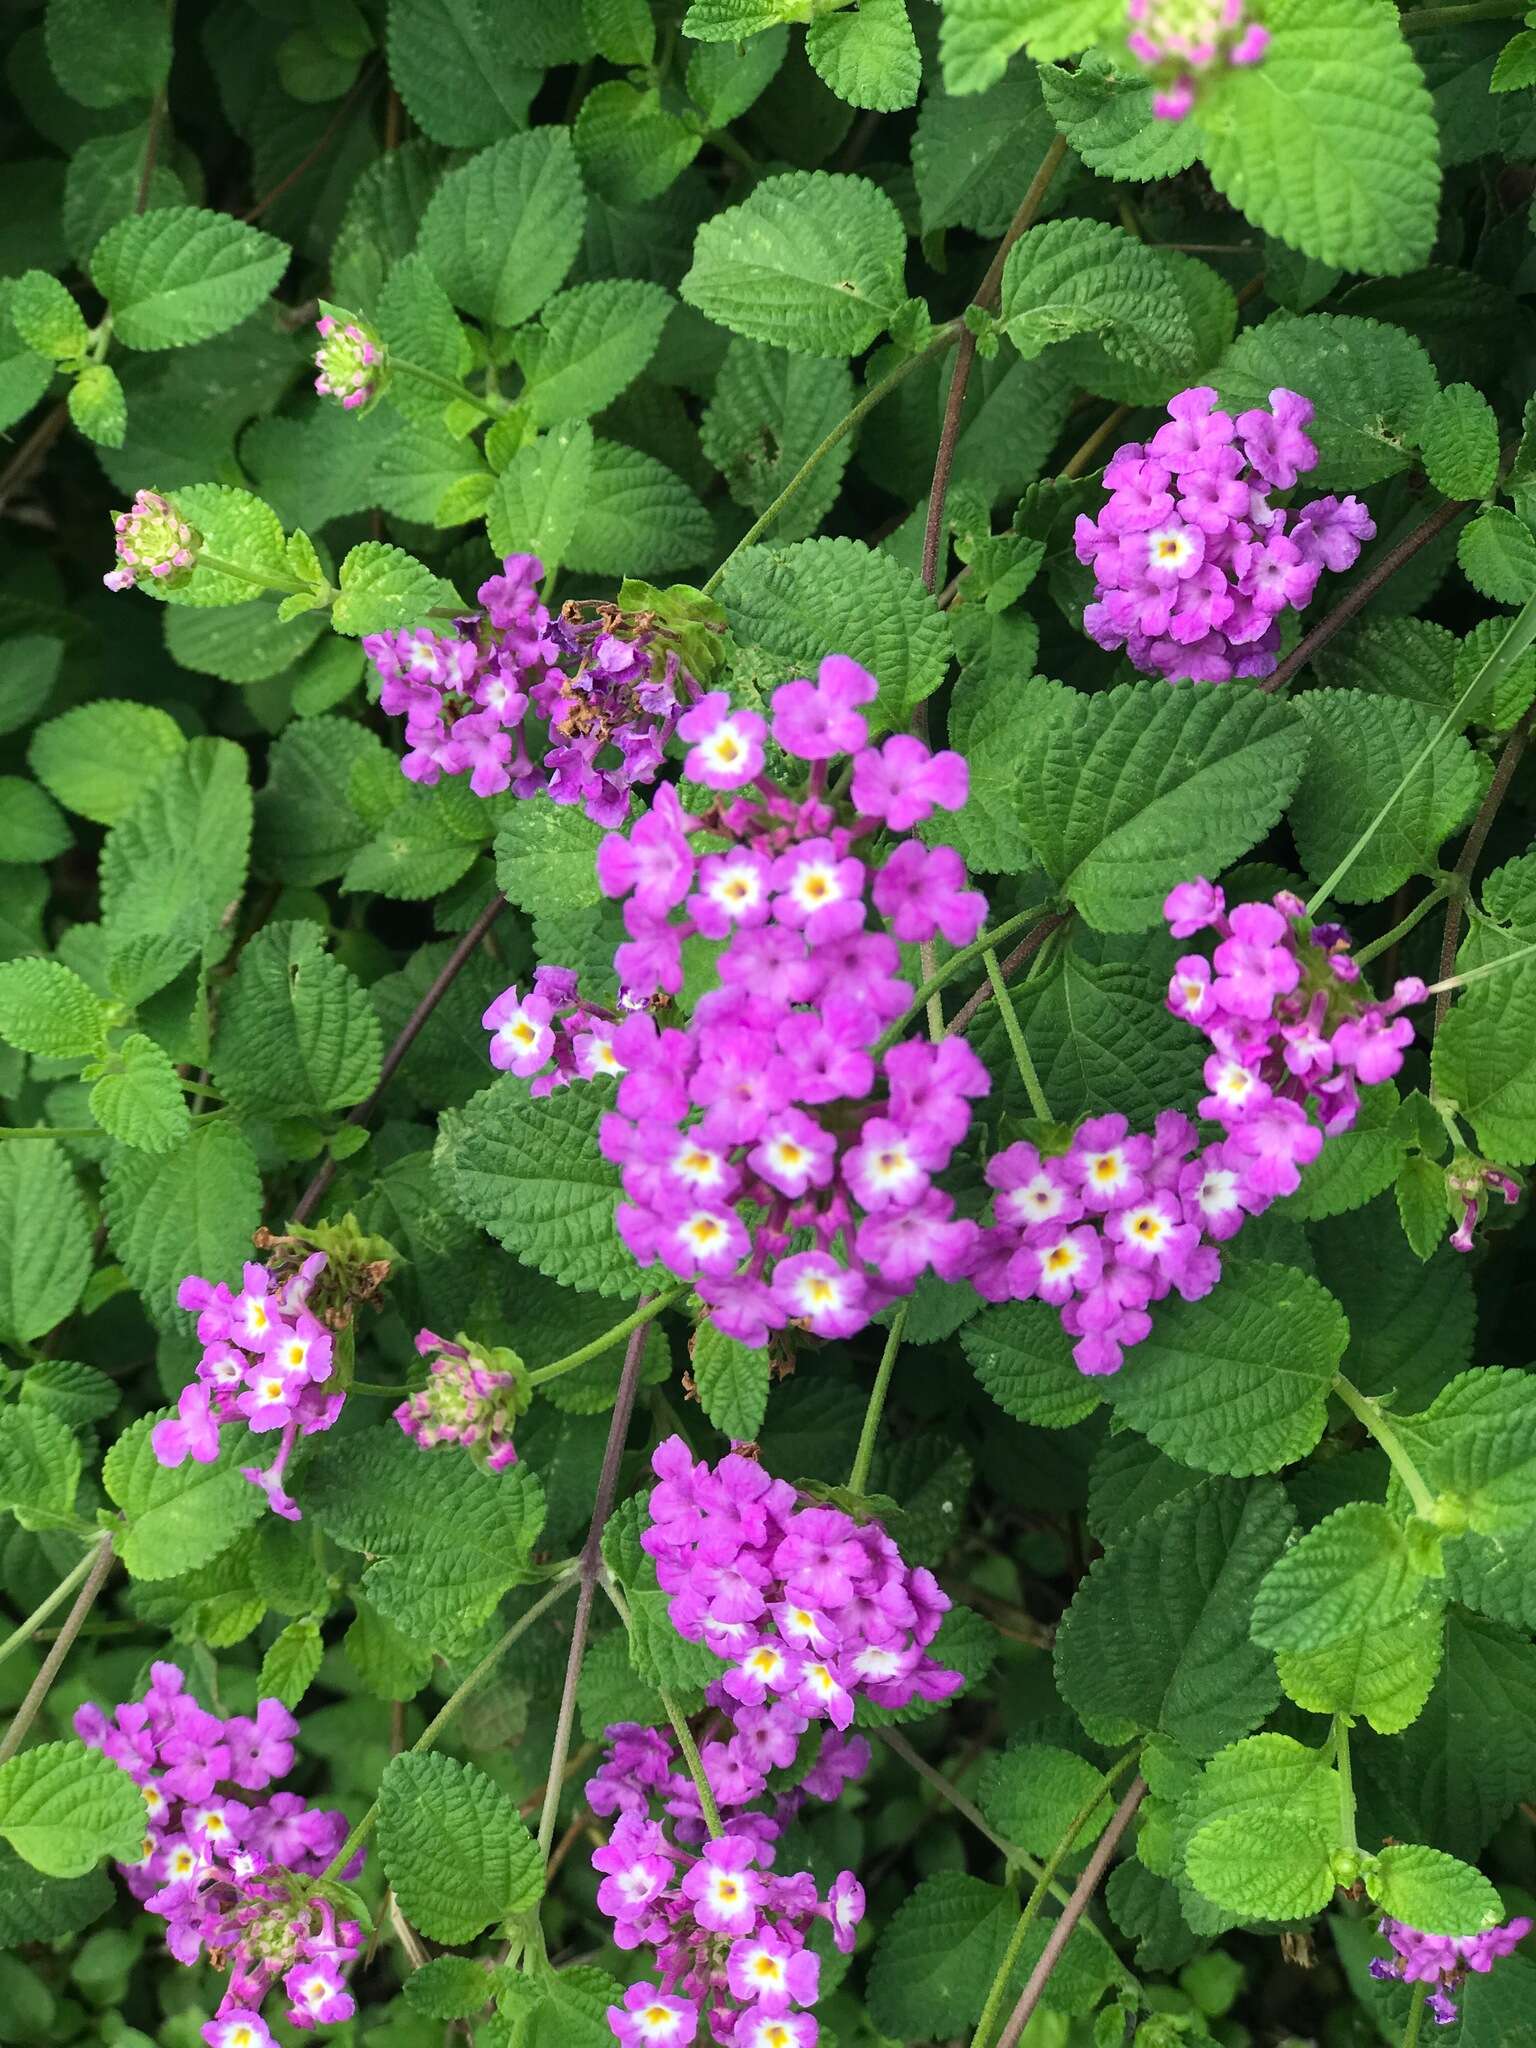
902 782
817 720
726 750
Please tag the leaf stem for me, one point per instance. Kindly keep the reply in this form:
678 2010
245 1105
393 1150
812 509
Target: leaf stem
102 1561
451 1706
44 1608
453 389
1083 459
1028 945
1373 1417
1070 1914
1023 1059
1482 973
259 580
51 1131
1476 839
646 1313
863 1457
944 338
898 1744
1366 954
947 972
694 1761
1347 1834
1517 637
1415 2016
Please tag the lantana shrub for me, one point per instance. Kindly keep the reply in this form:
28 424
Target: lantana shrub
768 1015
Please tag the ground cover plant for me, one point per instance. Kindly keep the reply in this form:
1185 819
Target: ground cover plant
768 1023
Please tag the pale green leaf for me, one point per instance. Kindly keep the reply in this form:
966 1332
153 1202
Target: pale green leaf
539 497
32 830
179 1517
139 1099
191 1211
1380 1675
1476 1445
46 1008
979 36
1075 277
98 759
45 1240
383 589
1497 553
297 1034
1259 1829
589 343
1432 1891
1105 112
629 144
175 865
292 1659
181 274
454 1848
868 56
63 1807
502 230
1352 1573
1460 443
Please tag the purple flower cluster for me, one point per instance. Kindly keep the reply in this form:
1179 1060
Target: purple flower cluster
232 1878
1443 1960
758 1121
1469 1182
466 1401
731 1936
152 541
350 360
1180 40
607 696
552 1028
1120 1220
266 1361
1192 564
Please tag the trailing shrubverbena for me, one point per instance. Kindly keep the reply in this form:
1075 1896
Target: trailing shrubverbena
769 1043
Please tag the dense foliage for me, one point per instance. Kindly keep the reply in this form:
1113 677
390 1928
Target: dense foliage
768 1023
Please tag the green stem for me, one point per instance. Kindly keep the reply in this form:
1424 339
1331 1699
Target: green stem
694 1761
102 1560
1479 973
863 1457
647 1312
51 1131
1420 20
41 1612
1346 1782
1517 638
1415 2016
1366 954
449 386
999 1988
944 339
952 966
898 1744
399 1393
1373 1416
451 1706
1015 1030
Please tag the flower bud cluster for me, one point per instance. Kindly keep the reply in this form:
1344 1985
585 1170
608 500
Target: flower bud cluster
232 1878
267 1362
1193 564
580 707
1121 1220
350 360
1180 40
772 1132
153 542
468 1400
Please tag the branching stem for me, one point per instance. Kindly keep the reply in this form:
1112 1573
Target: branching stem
101 1564
1023 1059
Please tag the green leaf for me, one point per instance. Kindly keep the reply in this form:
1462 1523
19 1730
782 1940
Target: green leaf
30 1911
1260 1827
1132 790
182 274
24 374
1383 1675
1497 553
97 405
1484 1063
31 668
869 58
536 505
530 1173
293 1658
101 187
732 21
589 344
723 83
1476 1445
973 157
423 845
638 518
810 261
139 1099
76 1394
1460 443
454 1848
175 865
1106 114
1370 383
1157 1636
1355 1165
306 828
418 326
1361 749
238 528
631 146
180 1517
1411 1324
1432 1891
46 317
1073 277
45 1240
732 1383
1421 1204
46 1008
1352 1573
389 1664
297 1034
99 759
1330 142
502 230
779 600
623 30
39 1467
63 1807
106 51
1237 1382
1023 1358
31 828
546 857
383 589
465 80
191 1211
449 1988
979 36
1032 1792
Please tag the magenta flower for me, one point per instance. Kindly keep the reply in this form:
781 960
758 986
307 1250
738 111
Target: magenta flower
726 746
820 719
650 2018
903 783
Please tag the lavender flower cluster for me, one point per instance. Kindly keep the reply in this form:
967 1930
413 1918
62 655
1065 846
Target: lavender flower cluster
759 1119
266 1362
813 1609
470 697
1192 563
1444 1960
1119 1221
1181 40
232 1878
467 1401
